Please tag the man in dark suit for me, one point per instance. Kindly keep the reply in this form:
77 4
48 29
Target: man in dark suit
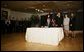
59 20
72 24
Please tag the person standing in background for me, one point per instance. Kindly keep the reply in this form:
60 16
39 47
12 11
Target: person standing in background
72 24
7 25
48 20
59 19
66 25
53 19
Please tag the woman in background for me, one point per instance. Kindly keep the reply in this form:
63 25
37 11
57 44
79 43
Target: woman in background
66 25
48 21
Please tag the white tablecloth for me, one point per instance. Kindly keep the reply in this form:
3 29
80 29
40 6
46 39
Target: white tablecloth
50 36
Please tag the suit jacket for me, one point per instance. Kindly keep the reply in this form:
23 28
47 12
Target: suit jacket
59 21
72 23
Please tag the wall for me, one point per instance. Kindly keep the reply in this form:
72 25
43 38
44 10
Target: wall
16 15
22 16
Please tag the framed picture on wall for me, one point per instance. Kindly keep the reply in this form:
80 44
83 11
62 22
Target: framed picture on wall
4 15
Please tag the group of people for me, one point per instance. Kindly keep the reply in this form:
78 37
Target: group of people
9 26
66 21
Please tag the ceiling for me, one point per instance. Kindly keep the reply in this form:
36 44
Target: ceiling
45 6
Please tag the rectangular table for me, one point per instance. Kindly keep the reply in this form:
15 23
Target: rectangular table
50 36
